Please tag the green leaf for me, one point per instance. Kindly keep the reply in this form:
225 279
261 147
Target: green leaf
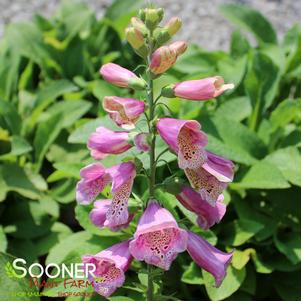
287 285
70 111
289 244
17 180
65 170
19 146
46 133
285 112
263 175
11 117
240 231
239 137
230 285
236 109
250 20
241 258
193 275
80 243
288 161
13 285
3 240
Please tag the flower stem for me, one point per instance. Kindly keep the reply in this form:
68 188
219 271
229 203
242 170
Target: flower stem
152 154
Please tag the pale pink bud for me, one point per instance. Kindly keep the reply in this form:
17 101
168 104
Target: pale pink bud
164 57
202 89
121 77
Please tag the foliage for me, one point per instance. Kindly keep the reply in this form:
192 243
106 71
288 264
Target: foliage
50 95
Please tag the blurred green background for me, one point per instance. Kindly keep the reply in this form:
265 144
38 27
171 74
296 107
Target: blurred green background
50 101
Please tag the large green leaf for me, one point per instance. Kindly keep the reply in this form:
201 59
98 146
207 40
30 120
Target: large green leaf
231 283
288 161
47 132
263 175
251 20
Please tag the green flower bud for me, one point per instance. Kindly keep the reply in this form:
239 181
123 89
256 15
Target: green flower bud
137 83
173 25
153 17
139 25
168 91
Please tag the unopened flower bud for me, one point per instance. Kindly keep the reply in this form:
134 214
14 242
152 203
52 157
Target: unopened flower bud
136 39
153 17
141 14
164 57
139 25
173 25
179 47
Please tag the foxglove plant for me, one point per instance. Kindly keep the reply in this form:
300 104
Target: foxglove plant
158 238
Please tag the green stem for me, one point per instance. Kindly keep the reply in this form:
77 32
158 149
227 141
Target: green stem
152 154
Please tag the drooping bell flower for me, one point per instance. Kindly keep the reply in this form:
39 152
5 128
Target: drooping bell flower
121 77
104 142
123 176
208 257
110 266
98 215
158 239
141 142
207 215
164 57
125 112
202 89
95 177
186 139
212 178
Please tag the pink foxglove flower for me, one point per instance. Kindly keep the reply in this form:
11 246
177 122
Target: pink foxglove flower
121 77
208 257
141 142
104 142
110 266
201 89
207 214
212 178
165 56
123 111
158 239
186 139
123 176
98 215
96 177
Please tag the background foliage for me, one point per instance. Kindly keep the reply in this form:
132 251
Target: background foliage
50 101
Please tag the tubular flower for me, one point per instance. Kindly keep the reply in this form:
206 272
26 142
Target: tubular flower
208 257
104 142
202 89
207 214
123 111
110 266
95 178
121 77
141 142
158 239
212 178
98 215
186 139
164 57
